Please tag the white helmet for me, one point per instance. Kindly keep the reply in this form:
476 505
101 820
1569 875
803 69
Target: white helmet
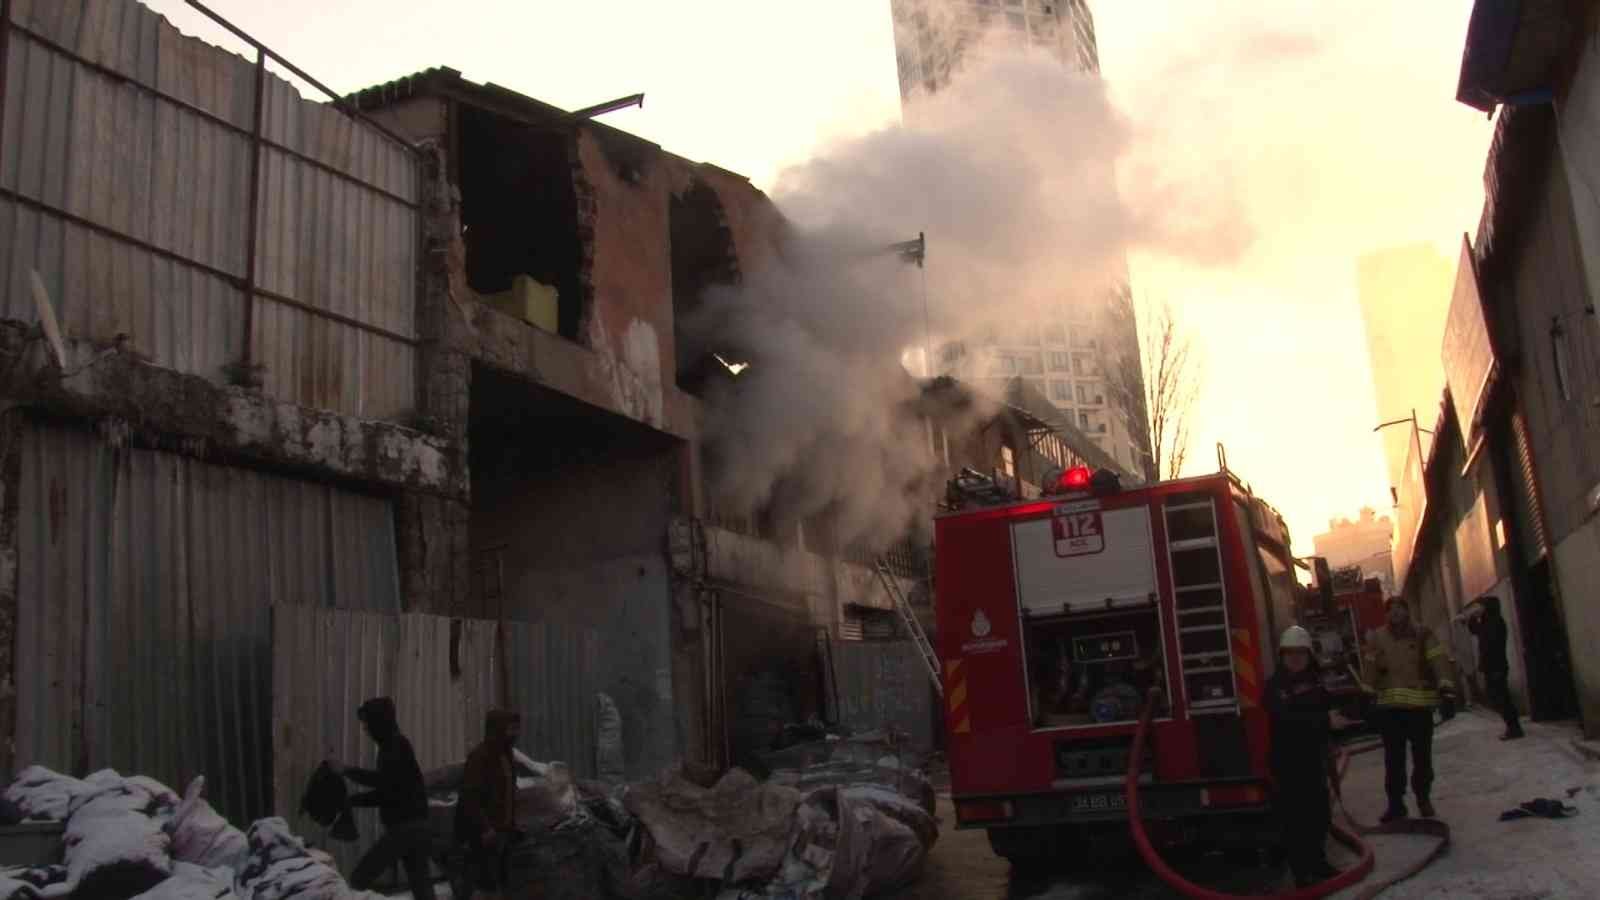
1295 638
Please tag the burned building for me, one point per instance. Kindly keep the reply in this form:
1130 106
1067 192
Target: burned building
309 401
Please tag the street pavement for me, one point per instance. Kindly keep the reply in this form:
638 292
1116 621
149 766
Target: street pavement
1478 778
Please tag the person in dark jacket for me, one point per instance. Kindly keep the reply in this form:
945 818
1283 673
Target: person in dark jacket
395 788
1298 707
486 816
1490 628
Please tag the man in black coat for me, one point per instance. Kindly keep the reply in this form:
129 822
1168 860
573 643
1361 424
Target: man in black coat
395 788
1490 628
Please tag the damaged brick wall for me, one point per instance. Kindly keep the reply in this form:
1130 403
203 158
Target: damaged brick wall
432 534
445 380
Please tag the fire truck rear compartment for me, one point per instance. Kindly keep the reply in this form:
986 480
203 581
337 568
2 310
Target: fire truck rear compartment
1093 669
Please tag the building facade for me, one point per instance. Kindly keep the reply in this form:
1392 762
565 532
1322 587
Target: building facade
1366 542
932 37
1403 293
1514 456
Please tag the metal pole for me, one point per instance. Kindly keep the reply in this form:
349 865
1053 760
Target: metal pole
247 374
337 101
5 69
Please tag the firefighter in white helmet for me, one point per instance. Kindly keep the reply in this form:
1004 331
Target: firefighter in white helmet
1298 707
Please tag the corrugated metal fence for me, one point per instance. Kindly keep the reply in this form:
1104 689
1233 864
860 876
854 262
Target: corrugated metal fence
326 662
884 684
125 179
144 585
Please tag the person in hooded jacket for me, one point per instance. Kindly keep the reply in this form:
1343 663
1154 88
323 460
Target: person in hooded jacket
1298 706
1489 627
486 815
395 787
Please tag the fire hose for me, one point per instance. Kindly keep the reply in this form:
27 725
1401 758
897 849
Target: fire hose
1349 833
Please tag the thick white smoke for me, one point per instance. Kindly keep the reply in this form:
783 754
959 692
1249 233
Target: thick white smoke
1010 171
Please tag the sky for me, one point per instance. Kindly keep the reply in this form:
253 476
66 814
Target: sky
1327 130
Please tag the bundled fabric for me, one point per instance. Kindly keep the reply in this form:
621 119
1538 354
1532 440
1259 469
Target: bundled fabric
192 882
280 867
42 795
203 838
113 847
34 884
328 804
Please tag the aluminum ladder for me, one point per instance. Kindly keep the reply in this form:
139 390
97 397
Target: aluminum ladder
909 619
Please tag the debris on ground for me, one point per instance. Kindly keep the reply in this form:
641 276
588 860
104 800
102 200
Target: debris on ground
132 837
575 832
841 818
824 830
736 831
1542 808
870 758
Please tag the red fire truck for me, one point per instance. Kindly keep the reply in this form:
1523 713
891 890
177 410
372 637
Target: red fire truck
1056 618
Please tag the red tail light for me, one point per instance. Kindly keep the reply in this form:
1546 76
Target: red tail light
983 810
1240 795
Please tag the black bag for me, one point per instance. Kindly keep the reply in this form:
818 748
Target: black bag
327 802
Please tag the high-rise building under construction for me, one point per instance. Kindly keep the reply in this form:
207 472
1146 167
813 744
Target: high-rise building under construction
1084 357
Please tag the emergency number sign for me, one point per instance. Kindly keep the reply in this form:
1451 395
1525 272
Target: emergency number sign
1078 533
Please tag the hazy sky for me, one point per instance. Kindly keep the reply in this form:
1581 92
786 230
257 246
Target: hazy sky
1331 129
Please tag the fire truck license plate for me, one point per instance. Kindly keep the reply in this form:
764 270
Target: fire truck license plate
1078 533
1105 802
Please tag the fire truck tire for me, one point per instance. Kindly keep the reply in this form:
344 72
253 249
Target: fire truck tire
1060 847
1025 848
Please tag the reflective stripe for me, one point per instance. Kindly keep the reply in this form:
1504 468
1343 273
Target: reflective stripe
1412 697
1435 651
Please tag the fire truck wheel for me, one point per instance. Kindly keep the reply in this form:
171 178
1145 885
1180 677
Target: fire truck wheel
1025 848
1057 848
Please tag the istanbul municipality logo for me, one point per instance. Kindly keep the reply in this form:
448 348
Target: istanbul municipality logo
980 625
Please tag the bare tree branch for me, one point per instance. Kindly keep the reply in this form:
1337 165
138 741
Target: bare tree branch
1156 375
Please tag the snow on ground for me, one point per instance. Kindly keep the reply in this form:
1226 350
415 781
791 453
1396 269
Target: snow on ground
1479 777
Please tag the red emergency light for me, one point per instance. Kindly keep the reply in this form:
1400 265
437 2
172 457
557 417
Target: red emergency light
1074 479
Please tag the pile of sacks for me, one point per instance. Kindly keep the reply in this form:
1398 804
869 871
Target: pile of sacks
575 831
866 760
770 841
133 837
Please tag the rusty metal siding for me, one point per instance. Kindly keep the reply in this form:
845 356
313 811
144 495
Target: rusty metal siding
144 584
408 657
882 685
364 655
337 219
555 675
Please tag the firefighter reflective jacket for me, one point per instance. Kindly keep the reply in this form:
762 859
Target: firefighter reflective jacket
1409 669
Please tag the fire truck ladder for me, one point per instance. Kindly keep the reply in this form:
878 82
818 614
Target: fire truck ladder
909 618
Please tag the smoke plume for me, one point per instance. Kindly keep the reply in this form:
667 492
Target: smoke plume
1010 170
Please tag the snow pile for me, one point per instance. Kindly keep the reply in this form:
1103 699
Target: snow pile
134 839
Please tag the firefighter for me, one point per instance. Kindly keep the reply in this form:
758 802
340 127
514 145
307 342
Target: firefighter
1302 742
1413 676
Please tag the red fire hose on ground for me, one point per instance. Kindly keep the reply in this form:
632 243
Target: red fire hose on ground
1348 833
